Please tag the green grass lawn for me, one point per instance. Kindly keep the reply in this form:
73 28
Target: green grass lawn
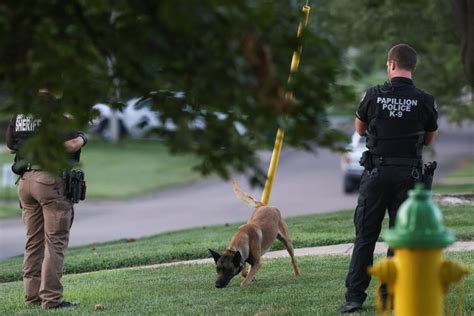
189 290
9 210
466 170
133 168
306 231
6 194
453 188
128 169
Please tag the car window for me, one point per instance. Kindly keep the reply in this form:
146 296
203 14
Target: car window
144 103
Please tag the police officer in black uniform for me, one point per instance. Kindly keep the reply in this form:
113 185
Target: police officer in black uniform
398 120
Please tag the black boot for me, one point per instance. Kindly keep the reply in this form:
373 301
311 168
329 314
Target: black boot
65 304
349 307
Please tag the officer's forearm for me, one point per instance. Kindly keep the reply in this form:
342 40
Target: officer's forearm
360 126
429 137
74 144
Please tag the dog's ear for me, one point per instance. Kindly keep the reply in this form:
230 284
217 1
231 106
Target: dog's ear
215 255
237 259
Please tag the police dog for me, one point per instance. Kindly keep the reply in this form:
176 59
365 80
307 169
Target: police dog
251 241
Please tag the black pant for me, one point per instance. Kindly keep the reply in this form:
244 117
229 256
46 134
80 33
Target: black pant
382 188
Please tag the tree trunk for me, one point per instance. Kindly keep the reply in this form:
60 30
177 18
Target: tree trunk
114 127
463 11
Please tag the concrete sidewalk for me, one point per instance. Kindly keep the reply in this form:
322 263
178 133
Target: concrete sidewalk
333 250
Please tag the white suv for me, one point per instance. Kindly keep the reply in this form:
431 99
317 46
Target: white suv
136 119
350 165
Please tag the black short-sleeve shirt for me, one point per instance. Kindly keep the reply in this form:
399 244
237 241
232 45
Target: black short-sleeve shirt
363 112
366 111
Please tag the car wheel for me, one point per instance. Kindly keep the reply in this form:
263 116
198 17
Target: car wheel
104 131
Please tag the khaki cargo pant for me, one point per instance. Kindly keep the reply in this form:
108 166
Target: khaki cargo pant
48 216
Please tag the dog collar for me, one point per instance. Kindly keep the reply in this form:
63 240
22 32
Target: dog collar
241 267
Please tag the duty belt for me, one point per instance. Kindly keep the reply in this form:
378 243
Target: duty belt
392 161
31 167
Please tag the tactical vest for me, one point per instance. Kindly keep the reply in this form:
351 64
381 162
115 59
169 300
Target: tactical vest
24 127
396 129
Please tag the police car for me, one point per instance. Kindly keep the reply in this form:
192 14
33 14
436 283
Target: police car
352 170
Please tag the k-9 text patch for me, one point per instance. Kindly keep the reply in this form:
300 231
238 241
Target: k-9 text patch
397 107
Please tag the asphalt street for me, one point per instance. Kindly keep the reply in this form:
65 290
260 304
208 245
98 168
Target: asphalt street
305 183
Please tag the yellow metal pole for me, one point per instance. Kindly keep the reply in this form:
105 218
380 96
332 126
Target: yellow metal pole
273 166
295 62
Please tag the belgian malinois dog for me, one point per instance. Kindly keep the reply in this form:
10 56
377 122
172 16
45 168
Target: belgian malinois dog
251 241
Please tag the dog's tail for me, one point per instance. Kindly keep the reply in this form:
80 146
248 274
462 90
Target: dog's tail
244 196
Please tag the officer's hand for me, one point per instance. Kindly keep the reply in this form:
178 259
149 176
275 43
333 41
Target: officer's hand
12 151
429 137
74 144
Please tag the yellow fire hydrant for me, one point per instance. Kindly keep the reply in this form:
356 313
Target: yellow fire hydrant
417 276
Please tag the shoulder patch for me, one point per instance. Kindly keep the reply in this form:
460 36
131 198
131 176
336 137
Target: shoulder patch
370 92
430 100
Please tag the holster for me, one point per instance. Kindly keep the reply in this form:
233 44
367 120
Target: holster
19 169
428 173
366 160
75 189
20 166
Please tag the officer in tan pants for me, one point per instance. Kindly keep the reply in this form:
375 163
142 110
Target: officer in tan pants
47 215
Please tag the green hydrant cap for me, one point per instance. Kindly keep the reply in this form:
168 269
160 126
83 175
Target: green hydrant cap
419 223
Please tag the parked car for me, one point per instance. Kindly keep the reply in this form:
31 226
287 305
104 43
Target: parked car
136 119
350 166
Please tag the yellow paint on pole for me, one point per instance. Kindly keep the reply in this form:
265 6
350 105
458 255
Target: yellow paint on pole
295 62
273 166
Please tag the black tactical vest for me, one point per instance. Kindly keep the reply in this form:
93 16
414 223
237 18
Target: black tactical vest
24 126
396 128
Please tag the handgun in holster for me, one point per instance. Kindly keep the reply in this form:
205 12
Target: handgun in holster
366 160
428 173
75 185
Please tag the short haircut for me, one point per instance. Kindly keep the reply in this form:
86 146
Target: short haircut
404 56
45 100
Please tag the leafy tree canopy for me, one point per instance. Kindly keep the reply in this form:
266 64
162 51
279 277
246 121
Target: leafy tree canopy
373 26
222 63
